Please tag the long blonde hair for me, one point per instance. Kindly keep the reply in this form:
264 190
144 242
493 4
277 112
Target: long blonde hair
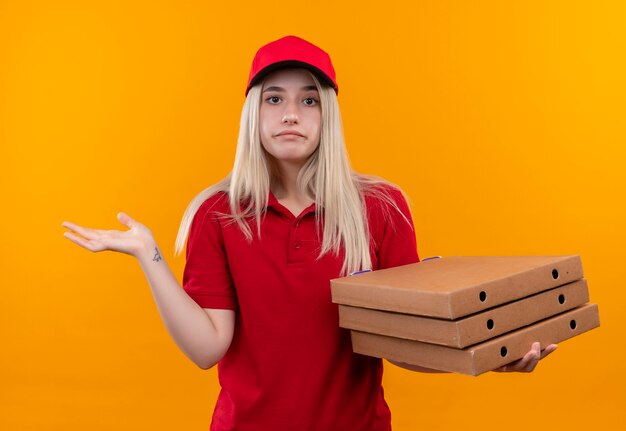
326 176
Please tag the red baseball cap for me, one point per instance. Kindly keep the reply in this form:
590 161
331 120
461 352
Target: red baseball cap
291 51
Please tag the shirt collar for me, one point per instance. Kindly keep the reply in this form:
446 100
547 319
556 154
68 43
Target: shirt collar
274 204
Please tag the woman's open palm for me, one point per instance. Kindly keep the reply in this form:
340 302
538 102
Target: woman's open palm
132 241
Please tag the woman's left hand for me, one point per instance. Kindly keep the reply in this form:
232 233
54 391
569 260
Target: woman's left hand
528 363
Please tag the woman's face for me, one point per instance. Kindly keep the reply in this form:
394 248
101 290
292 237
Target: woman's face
290 116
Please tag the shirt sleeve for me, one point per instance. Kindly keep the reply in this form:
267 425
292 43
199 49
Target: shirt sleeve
393 232
206 276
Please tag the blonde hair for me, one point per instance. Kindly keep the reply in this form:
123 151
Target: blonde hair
326 176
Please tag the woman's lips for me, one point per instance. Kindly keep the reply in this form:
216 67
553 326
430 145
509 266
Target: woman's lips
290 133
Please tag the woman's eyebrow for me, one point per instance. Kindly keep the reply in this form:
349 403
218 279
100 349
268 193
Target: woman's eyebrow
281 89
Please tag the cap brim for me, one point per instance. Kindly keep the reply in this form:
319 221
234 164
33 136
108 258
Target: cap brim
324 79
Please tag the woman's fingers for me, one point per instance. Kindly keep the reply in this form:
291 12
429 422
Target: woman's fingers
535 357
126 220
530 360
536 354
88 244
129 241
551 348
91 239
83 231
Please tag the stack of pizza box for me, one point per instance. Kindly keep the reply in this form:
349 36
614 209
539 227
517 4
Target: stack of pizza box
465 314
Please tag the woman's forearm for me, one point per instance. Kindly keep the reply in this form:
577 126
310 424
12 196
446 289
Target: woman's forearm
202 339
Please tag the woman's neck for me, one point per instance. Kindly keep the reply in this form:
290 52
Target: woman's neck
286 190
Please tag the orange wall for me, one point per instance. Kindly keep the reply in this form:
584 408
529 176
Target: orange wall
503 121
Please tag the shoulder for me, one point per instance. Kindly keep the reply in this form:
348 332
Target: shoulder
383 197
213 208
217 202
390 224
385 205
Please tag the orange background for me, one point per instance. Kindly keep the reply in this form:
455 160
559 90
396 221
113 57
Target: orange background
503 121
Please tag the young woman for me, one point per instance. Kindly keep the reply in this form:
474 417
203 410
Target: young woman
263 244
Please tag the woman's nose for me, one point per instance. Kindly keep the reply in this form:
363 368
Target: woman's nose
290 118
291 114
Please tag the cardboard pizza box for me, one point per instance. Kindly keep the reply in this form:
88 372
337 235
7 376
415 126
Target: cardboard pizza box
482 357
456 286
468 330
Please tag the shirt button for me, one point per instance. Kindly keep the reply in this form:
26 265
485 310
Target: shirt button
296 245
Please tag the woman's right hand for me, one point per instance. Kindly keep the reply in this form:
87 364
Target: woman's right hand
133 241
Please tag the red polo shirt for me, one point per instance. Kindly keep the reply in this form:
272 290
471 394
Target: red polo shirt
289 366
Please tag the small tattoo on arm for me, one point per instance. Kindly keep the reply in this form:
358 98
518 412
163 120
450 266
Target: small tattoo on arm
157 256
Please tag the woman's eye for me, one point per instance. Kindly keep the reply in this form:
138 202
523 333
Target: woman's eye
273 99
310 101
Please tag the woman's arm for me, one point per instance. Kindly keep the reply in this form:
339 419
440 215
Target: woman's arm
204 335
